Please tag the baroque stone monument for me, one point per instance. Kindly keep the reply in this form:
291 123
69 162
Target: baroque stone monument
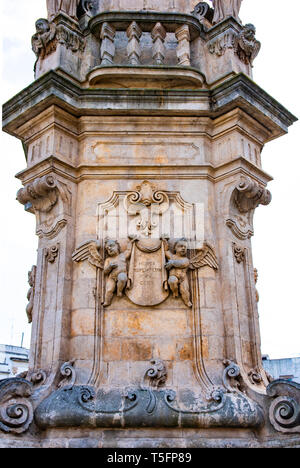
143 133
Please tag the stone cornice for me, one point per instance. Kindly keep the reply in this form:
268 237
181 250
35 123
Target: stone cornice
237 92
238 166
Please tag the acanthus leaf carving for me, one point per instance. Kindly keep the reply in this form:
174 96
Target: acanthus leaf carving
16 410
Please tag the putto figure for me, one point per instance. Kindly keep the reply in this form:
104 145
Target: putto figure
115 268
226 8
45 33
66 6
178 265
30 294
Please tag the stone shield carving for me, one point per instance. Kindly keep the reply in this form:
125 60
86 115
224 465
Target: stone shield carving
147 274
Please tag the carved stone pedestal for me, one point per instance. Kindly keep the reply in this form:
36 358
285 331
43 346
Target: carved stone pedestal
143 300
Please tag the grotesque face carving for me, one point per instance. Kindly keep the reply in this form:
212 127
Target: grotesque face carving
249 32
112 248
42 26
180 247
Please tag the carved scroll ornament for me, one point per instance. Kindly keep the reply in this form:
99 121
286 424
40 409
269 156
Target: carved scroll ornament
16 411
284 412
246 197
41 195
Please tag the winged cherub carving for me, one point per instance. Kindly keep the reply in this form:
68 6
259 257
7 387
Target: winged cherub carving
246 45
115 266
178 265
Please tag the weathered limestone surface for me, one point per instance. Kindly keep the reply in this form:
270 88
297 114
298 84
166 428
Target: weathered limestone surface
143 134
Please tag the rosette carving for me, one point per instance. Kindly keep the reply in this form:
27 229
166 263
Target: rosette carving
16 411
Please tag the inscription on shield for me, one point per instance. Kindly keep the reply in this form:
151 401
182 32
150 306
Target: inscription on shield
147 274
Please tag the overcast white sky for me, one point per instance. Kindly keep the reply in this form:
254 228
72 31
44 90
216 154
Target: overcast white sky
276 246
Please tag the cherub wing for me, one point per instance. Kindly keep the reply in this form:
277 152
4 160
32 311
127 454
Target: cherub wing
255 51
89 251
205 257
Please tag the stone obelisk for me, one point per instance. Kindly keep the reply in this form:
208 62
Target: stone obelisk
143 132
